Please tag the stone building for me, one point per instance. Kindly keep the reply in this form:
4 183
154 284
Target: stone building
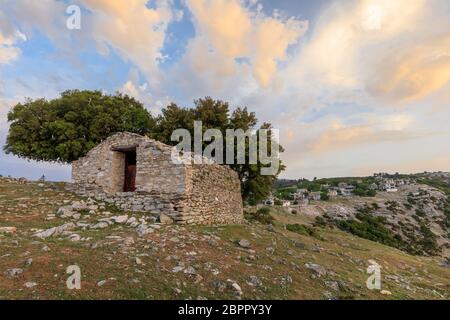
137 173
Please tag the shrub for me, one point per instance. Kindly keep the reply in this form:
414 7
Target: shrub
277 202
371 228
262 215
302 229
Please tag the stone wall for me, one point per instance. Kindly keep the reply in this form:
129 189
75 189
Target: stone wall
199 194
214 195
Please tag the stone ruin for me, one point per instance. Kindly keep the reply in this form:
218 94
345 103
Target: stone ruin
136 173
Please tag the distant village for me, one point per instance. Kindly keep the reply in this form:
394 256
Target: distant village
318 191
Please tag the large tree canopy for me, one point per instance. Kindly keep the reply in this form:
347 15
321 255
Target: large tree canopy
66 128
214 114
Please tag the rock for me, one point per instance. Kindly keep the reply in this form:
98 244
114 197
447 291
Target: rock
65 212
54 231
120 219
190 270
254 281
131 220
138 260
128 241
236 288
165 219
8 230
30 284
100 225
142 230
219 285
14 272
177 269
333 285
28 262
300 245
319 270
79 205
74 237
45 248
270 228
101 283
243 243
386 292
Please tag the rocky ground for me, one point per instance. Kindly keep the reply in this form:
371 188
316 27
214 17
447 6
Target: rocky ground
404 212
123 255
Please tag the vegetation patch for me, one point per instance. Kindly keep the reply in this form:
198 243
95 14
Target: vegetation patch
262 215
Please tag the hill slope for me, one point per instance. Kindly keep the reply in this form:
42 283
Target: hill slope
133 257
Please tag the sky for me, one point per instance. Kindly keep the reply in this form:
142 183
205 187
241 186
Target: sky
354 86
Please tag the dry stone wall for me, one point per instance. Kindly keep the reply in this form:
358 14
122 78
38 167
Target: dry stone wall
198 194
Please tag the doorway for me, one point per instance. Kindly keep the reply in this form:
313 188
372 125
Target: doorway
129 184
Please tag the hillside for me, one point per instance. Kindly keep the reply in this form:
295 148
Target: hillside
129 255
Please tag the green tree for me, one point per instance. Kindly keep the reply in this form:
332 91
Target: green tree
66 128
215 114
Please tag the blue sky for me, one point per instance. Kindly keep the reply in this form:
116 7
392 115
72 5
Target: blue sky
353 86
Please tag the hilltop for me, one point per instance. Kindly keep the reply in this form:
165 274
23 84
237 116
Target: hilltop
125 255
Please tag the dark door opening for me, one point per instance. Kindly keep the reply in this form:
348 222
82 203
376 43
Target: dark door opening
130 171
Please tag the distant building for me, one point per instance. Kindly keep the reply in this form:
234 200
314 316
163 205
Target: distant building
285 203
332 193
300 194
314 196
345 189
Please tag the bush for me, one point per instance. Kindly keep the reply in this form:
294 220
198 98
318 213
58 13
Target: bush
278 202
302 229
371 228
324 196
320 221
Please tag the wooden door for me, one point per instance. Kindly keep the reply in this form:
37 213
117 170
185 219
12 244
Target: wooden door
129 184
130 178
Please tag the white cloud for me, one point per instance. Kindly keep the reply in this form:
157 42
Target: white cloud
228 30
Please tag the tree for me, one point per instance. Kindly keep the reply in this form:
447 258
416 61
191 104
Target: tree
214 114
66 128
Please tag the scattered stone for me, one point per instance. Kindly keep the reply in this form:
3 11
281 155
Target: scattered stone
54 231
190 270
177 269
120 219
8 230
28 262
165 219
74 237
45 248
386 292
243 243
30 285
318 269
138 260
14 272
101 283
254 281
100 225
142 230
